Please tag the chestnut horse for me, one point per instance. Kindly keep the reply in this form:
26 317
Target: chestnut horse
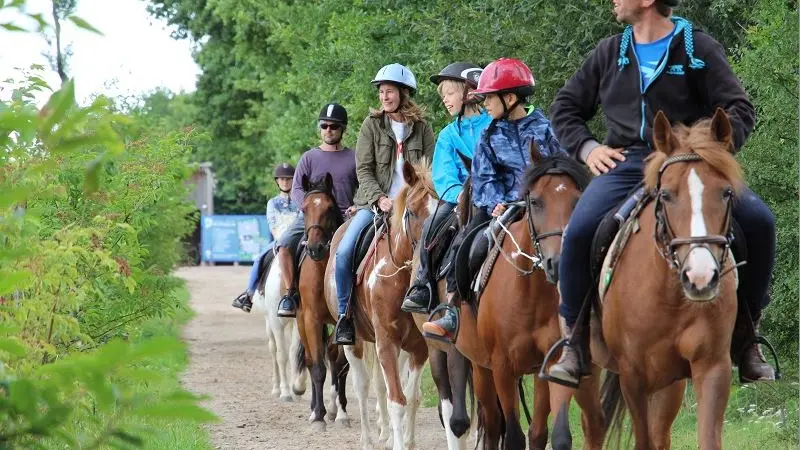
517 322
669 312
378 318
322 217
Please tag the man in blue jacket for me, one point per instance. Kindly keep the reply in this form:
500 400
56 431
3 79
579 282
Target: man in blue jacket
659 62
456 141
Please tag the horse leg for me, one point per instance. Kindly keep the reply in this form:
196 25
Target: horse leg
439 373
490 421
537 434
339 369
560 397
388 356
507 391
413 392
592 420
458 368
664 408
318 385
333 405
272 349
282 356
361 378
633 394
712 385
298 367
381 405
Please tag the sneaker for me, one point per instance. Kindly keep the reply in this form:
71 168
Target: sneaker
345 333
417 300
443 329
288 305
244 301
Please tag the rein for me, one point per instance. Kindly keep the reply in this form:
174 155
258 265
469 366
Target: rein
668 244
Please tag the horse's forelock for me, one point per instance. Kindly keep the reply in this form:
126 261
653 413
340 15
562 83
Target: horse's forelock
699 140
559 164
409 195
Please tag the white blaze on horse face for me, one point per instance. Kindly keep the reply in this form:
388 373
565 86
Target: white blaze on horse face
561 187
373 276
317 201
432 204
700 263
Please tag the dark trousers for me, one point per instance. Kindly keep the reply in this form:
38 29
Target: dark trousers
608 190
479 216
431 226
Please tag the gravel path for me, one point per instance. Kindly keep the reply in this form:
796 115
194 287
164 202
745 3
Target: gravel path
229 362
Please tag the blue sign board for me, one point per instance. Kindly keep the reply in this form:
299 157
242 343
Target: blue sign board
235 238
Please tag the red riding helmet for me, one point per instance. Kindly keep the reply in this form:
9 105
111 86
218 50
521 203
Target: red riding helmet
506 75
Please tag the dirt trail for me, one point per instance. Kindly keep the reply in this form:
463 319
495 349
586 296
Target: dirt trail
229 361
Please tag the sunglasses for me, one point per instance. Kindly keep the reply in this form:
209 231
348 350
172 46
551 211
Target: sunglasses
329 126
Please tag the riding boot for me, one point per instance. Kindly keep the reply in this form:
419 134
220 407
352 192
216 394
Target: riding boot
746 351
418 299
288 304
244 301
571 365
345 332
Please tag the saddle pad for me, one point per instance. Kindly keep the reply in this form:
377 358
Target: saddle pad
367 253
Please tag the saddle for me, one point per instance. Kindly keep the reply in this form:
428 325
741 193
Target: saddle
268 258
366 244
478 252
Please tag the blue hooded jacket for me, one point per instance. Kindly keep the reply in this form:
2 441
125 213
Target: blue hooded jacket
503 155
449 173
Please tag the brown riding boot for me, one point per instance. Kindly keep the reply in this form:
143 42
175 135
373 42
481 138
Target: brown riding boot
568 370
752 364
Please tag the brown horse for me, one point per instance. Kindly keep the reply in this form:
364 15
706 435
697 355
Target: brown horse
378 318
321 217
670 310
517 321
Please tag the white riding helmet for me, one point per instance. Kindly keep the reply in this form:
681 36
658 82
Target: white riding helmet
398 74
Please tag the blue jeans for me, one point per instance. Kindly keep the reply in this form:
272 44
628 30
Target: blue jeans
608 190
344 256
252 282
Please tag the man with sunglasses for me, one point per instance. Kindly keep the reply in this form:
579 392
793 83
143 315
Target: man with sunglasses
330 157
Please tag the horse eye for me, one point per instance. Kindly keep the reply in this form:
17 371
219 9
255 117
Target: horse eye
536 203
666 196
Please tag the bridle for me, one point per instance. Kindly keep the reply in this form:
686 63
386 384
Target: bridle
327 235
668 244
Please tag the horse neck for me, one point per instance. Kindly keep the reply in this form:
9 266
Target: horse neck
401 247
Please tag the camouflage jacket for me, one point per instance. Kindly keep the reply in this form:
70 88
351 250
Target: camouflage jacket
503 155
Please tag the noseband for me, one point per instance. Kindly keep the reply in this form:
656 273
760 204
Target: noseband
668 243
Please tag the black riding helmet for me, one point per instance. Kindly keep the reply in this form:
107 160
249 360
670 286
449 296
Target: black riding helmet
284 170
334 112
459 71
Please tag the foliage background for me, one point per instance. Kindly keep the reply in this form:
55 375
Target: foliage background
269 65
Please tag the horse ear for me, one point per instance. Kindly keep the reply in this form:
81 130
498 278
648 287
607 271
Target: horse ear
721 128
304 183
663 137
536 155
409 173
329 181
464 160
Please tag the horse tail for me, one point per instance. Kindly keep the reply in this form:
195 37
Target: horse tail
521 390
471 393
300 358
614 408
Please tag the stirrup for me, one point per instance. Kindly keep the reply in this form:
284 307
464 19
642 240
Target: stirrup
436 337
759 339
561 343
421 310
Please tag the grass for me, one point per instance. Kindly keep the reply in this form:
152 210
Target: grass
758 417
157 433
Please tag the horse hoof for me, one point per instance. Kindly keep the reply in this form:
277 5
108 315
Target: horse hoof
298 392
276 392
331 416
318 426
345 422
287 398
312 416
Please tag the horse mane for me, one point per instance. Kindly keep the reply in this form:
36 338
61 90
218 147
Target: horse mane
558 163
699 140
423 170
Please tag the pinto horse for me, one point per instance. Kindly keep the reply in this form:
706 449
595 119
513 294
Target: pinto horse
379 320
517 322
669 312
321 217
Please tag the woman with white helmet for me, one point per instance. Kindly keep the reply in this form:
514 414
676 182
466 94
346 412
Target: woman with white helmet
389 136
